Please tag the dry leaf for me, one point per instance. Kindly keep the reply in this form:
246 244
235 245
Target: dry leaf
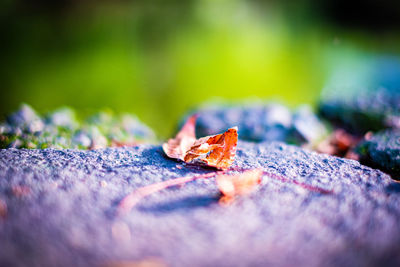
177 147
238 184
216 151
339 143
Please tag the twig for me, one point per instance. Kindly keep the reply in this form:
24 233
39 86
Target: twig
133 198
304 185
286 180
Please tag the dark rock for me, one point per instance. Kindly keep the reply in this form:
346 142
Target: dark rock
124 128
133 126
306 125
101 118
64 117
66 214
98 140
26 119
382 151
5 128
81 139
26 129
368 111
15 144
260 122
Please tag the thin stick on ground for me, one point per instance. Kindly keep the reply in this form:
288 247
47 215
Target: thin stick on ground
287 180
133 198
303 185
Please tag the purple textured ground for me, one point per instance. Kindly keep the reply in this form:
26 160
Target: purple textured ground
68 216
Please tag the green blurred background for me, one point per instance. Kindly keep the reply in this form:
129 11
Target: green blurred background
158 59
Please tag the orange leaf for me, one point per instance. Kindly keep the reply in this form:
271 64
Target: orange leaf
217 151
238 184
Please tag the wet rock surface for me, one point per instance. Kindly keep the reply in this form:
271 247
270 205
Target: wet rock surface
259 122
382 151
58 209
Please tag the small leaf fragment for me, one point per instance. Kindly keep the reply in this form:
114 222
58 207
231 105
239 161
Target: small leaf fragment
216 151
177 147
238 184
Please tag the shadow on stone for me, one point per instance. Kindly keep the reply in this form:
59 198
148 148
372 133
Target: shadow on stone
393 188
184 204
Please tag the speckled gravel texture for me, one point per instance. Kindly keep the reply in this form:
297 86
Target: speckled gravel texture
60 211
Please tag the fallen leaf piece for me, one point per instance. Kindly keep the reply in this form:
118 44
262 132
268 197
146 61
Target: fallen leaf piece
177 147
216 151
238 184
339 143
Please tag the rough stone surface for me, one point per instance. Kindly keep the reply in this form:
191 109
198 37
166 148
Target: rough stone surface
26 119
382 151
58 209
